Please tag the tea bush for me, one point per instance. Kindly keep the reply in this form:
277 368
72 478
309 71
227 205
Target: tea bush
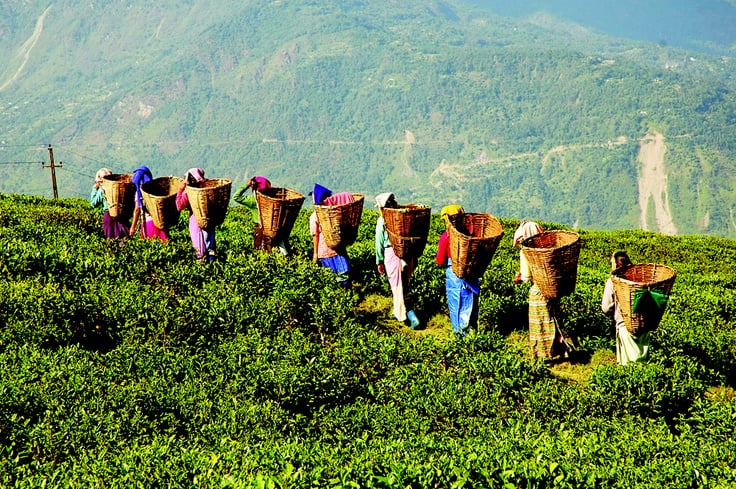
135 365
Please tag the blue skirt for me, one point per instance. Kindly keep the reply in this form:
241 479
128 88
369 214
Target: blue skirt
462 302
338 264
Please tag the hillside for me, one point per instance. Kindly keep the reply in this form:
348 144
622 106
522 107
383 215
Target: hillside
435 101
137 366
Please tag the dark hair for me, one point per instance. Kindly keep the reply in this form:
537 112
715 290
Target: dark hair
622 259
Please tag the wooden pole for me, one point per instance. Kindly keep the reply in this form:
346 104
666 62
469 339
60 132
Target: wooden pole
53 170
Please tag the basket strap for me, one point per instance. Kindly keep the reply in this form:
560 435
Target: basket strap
258 207
143 221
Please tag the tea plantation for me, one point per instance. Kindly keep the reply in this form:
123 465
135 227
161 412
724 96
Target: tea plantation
137 366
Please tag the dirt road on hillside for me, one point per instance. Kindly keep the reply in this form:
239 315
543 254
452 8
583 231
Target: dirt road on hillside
653 184
25 50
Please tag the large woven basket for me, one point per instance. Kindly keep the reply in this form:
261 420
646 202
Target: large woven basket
410 220
474 238
159 195
406 247
209 200
644 276
278 209
553 260
120 194
408 228
340 223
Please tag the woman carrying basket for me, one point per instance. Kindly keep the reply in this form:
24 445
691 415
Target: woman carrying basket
112 227
203 240
545 333
242 197
397 270
629 348
334 259
462 295
140 176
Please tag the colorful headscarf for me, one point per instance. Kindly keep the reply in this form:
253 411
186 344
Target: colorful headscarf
194 175
320 193
140 176
259 183
526 229
451 210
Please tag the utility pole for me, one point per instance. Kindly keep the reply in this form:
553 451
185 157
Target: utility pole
53 170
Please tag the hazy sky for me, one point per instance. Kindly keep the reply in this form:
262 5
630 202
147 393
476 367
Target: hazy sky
707 25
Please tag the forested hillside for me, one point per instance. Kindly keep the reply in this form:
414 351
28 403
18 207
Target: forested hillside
137 366
436 101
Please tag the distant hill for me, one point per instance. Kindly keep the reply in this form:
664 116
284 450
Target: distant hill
702 25
436 101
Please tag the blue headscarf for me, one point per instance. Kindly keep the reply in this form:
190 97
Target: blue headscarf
320 193
140 176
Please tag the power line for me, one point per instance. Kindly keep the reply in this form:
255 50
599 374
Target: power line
83 156
82 174
21 162
3 146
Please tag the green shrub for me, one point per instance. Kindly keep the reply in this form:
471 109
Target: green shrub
139 366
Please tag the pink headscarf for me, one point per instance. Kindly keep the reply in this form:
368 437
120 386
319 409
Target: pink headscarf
261 183
526 229
194 174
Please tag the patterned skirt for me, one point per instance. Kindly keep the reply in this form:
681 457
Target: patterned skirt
544 329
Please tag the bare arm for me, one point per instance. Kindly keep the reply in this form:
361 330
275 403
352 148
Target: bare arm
136 217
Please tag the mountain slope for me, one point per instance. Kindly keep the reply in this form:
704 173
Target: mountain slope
434 101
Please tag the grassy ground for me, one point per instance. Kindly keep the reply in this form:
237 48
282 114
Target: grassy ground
577 368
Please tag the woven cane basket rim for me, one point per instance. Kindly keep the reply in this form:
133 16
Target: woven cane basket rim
119 191
408 219
641 276
407 246
209 200
340 223
553 259
278 208
159 196
471 254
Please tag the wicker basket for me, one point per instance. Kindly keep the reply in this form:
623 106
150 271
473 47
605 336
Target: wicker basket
645 276
407 220
474 238
209 200
159 195
120 194
553 260
278 209
406 247
340 223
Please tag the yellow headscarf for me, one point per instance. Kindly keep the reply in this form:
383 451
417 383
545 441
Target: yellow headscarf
451 210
